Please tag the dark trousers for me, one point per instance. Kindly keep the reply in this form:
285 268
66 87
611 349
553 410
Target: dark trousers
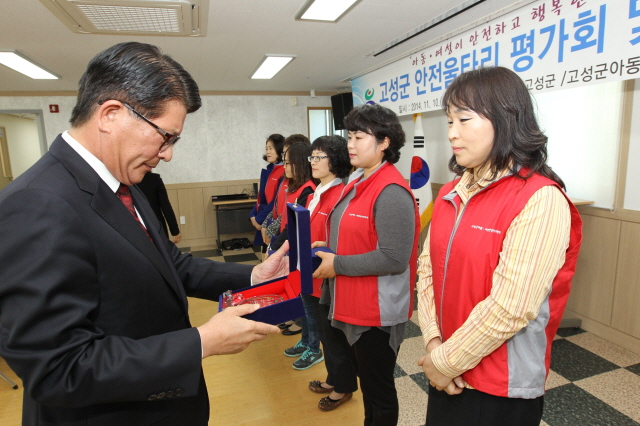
475 408
340 364
310 334
376 362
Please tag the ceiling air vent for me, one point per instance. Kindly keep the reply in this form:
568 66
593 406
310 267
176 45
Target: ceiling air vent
133 17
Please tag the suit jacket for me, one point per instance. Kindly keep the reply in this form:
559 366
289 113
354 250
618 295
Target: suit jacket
153 188
93 315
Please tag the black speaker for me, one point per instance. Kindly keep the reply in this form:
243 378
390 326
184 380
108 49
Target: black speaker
341 104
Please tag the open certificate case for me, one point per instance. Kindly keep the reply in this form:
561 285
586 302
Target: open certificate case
299 281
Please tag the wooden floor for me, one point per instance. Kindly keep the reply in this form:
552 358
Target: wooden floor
259 386
255 387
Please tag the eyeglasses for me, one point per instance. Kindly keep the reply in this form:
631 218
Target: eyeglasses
169 139
316 158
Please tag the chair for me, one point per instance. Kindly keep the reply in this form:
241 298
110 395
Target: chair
13 385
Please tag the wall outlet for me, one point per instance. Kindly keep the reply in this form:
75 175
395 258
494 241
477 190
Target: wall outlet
182 220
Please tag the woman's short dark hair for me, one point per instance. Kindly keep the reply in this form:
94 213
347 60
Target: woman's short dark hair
138 74
380 122
296 138
499 95
277 140
336 149
297 155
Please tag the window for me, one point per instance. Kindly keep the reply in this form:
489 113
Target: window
320 122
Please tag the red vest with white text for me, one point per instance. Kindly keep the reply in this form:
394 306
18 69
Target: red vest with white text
269 185
281 198
272 182
372 300
292 198
328 201
464 254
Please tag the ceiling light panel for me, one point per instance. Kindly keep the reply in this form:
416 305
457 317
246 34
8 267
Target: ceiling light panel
26 66
270 65
325 10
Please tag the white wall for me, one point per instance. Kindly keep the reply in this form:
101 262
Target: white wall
224 140
53 123
632 192
23 142
583 127
434 125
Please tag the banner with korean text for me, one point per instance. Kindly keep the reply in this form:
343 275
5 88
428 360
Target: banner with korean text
551 44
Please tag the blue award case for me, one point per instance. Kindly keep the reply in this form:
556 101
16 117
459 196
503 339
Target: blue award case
299 281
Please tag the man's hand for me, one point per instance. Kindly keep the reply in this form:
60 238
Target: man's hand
177 238
325 270
228 333
277 265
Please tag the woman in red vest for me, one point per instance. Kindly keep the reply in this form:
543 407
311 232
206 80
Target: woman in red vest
300 186
271 224
373 231
270 178
330 164
496 269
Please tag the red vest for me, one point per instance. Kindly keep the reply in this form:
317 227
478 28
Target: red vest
279 205
272 182
270 185
463 258
328 201
291 198
372 300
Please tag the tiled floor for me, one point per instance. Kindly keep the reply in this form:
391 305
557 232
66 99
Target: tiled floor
592 382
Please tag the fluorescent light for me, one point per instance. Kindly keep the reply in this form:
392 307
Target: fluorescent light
24 65
325 10
271 65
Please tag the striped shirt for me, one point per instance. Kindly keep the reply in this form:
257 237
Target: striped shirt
533 251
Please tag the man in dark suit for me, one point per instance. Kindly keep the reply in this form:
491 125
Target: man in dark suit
93 307
153 188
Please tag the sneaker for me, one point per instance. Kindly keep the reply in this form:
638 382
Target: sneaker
297 350
308 359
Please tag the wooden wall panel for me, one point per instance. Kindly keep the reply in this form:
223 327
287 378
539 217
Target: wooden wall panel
193 200
241 189
190 201
627 290
593 283
209 214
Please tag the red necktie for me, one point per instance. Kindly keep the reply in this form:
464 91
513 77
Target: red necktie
125 196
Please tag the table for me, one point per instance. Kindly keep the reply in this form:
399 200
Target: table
238 217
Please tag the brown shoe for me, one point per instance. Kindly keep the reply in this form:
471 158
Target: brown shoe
316 386
328 404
